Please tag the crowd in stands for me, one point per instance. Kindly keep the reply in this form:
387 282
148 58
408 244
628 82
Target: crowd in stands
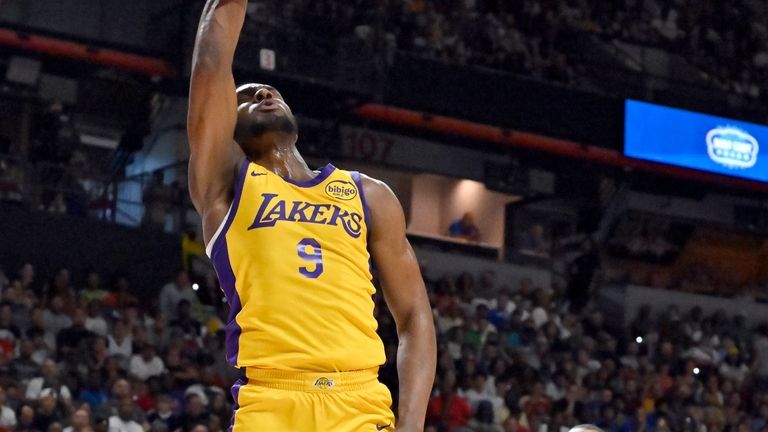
85 357
726 39
525 359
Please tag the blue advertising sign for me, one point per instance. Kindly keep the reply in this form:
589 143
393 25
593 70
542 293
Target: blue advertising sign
693 140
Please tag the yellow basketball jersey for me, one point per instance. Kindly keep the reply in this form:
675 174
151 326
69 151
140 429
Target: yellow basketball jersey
292 259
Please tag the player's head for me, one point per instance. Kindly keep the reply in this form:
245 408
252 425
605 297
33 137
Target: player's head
585 428
261 111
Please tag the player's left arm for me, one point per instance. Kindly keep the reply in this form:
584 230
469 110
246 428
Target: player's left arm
407 299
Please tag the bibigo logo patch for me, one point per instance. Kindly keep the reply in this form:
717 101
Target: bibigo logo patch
342 190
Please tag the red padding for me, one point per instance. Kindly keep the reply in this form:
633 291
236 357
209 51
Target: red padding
77 51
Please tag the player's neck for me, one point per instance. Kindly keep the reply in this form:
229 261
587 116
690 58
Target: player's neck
285 161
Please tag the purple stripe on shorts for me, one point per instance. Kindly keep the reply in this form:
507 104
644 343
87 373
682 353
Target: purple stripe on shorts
235 394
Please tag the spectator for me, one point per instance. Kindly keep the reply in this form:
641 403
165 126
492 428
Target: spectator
477 393
23 367
158 334
483 419
123 421
95 322
79 421
174 292
194 414
27 278
93 394
26 419
48 380
536 404
60 287
76 337
120 296
55 320
9 334
48 411
447 410
163 419
147 364
92 290
120 343
121 404
188 326
501 309
512 424
465 228
7 416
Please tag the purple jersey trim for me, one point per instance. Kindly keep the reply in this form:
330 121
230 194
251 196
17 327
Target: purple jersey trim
223 267
235 393
324 173
366 213
239 183
359 183
227 281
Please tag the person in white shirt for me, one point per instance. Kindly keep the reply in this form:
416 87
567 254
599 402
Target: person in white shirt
7 416
120 343
123 421
476 393
95 322
147 364
48 379
80 421
174 292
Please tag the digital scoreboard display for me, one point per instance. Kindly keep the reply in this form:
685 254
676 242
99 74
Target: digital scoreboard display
694 140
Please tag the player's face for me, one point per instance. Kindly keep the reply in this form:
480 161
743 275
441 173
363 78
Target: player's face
260 109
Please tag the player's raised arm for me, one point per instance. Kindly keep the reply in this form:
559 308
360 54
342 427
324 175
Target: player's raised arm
213 111
406 296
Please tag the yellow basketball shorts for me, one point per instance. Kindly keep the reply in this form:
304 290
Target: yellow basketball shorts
282 401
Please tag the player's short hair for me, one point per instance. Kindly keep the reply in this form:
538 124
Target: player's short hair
586 428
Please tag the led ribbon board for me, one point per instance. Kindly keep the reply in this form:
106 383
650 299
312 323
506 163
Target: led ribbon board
694 140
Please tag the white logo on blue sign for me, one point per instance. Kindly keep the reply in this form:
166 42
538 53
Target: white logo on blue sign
732 147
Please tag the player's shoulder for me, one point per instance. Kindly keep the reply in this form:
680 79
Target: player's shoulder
375 188
380 200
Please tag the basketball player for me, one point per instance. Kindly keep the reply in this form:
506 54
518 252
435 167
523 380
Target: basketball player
291 250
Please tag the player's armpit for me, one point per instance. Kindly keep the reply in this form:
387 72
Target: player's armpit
406 297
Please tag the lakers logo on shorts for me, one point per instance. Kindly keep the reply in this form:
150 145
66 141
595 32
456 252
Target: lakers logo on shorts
323 383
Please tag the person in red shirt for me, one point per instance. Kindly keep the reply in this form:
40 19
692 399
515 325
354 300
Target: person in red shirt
448 411
512 424
537 404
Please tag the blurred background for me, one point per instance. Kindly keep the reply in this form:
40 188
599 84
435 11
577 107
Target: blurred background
582 182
